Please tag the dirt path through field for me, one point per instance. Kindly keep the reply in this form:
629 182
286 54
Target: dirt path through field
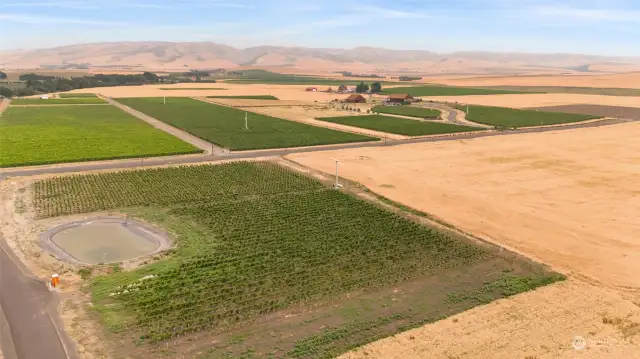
208 147
4 103
453 115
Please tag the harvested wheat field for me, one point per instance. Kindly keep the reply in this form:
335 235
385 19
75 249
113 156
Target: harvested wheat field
569 199
539 100
625 80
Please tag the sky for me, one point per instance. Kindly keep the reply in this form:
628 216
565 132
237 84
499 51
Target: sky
602 27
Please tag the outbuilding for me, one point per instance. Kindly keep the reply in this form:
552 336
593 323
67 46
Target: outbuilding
399 98
355 99
311 89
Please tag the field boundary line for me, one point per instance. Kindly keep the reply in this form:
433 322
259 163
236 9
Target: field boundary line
198 142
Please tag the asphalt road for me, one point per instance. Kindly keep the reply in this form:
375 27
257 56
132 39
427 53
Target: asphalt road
159 161
26 303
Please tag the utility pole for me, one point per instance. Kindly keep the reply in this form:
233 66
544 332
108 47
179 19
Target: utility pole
246 123
164 100
337 185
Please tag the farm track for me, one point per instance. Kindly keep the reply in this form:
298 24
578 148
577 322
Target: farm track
4 103
208 147
455 116
123 164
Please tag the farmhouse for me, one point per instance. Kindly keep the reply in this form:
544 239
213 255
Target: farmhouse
355 99
399 98
342 89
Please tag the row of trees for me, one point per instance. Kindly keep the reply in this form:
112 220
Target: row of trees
375 87
39 84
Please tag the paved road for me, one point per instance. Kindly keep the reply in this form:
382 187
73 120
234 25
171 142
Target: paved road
121 164
26 303
208 147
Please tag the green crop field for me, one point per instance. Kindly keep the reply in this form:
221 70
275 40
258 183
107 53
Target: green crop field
401 126
55 134
225 126
446 91
255 242
408 111
248 97
78 95
59 101
509 117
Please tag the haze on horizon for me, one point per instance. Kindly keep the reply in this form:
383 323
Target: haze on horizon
609 28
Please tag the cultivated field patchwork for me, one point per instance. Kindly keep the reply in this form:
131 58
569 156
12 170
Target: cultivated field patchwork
225 126
270 262
37 135
402 126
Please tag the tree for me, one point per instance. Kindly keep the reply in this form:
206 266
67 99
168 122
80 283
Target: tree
362 87
151 77
376 87
6 92
3 76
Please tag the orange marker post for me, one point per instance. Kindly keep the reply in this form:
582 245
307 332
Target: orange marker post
55 281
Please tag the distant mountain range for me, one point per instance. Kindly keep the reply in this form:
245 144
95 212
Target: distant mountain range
206 55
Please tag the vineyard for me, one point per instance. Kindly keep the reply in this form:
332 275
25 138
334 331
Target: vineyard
56 134
408 111
510 117
255 239
59 101
225 126
401 126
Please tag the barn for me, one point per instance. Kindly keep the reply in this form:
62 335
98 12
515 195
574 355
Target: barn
399 98
311 89
355 99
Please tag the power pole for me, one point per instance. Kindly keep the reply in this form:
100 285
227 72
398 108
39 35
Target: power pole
246 123
164 100
337 183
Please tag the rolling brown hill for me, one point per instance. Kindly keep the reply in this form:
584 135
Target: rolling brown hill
206 55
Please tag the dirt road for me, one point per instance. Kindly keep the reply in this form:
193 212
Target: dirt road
208 147
26 304
4 103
